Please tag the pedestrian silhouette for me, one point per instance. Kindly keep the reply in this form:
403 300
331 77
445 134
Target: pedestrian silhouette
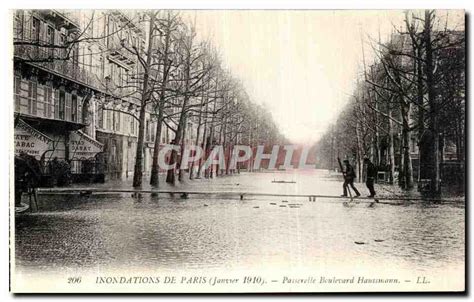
371 174
349 176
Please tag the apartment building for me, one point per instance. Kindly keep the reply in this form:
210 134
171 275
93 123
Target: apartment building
75 90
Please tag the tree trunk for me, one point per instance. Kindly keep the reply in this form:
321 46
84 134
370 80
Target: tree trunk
359 154
391 149
183 144
198 132
170 175
155 169
435 176
138 172
407 177
204 148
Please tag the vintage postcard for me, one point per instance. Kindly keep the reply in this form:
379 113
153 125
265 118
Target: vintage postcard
238 151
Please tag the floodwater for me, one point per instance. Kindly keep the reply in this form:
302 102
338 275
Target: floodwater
222 232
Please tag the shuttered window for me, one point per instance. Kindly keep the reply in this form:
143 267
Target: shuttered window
62 104
74 108
48 102
32 97
68 107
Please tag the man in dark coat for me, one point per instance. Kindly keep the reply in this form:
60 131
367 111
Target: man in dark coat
27 175
349 176
371 174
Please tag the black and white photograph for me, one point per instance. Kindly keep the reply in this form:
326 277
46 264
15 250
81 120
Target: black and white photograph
237 150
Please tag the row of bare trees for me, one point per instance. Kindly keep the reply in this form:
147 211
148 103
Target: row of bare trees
410 103
181 80
177 80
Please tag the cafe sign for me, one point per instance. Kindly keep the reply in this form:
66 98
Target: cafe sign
83 146
30 141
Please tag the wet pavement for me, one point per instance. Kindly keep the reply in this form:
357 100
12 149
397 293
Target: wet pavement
166 232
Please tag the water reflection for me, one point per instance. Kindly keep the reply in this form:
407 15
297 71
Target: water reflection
118 230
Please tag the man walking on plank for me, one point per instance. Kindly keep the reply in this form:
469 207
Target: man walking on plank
349 176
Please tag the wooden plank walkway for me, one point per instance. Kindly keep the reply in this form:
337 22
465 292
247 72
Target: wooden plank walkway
241 195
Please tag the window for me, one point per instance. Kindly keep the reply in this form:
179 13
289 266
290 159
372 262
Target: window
17 87
62 104
109 120
116 121
48 101
56 103
68 107
120 76
100 117
413 145
40 101
35 30
35 35
62 39
82 113
74 116
102 66
18 30
132 125
112 72
32 97
75 59
50 39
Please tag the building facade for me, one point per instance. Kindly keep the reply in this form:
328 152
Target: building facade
73 101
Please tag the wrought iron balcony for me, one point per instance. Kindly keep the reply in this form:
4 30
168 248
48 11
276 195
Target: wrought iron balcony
49 59
61 17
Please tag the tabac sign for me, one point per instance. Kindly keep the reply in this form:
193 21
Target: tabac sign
82 145
30 141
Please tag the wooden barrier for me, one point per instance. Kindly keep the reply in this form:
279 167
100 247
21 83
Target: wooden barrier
241 195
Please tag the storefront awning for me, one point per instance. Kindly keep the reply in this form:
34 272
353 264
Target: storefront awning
82 146
30 141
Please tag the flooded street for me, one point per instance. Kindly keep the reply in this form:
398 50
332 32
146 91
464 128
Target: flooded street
114 231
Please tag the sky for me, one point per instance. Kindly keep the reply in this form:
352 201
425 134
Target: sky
302 64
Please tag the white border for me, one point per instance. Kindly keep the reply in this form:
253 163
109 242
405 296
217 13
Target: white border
6 89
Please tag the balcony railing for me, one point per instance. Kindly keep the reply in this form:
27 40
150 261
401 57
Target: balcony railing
46 58
118 53
130 17
64 18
